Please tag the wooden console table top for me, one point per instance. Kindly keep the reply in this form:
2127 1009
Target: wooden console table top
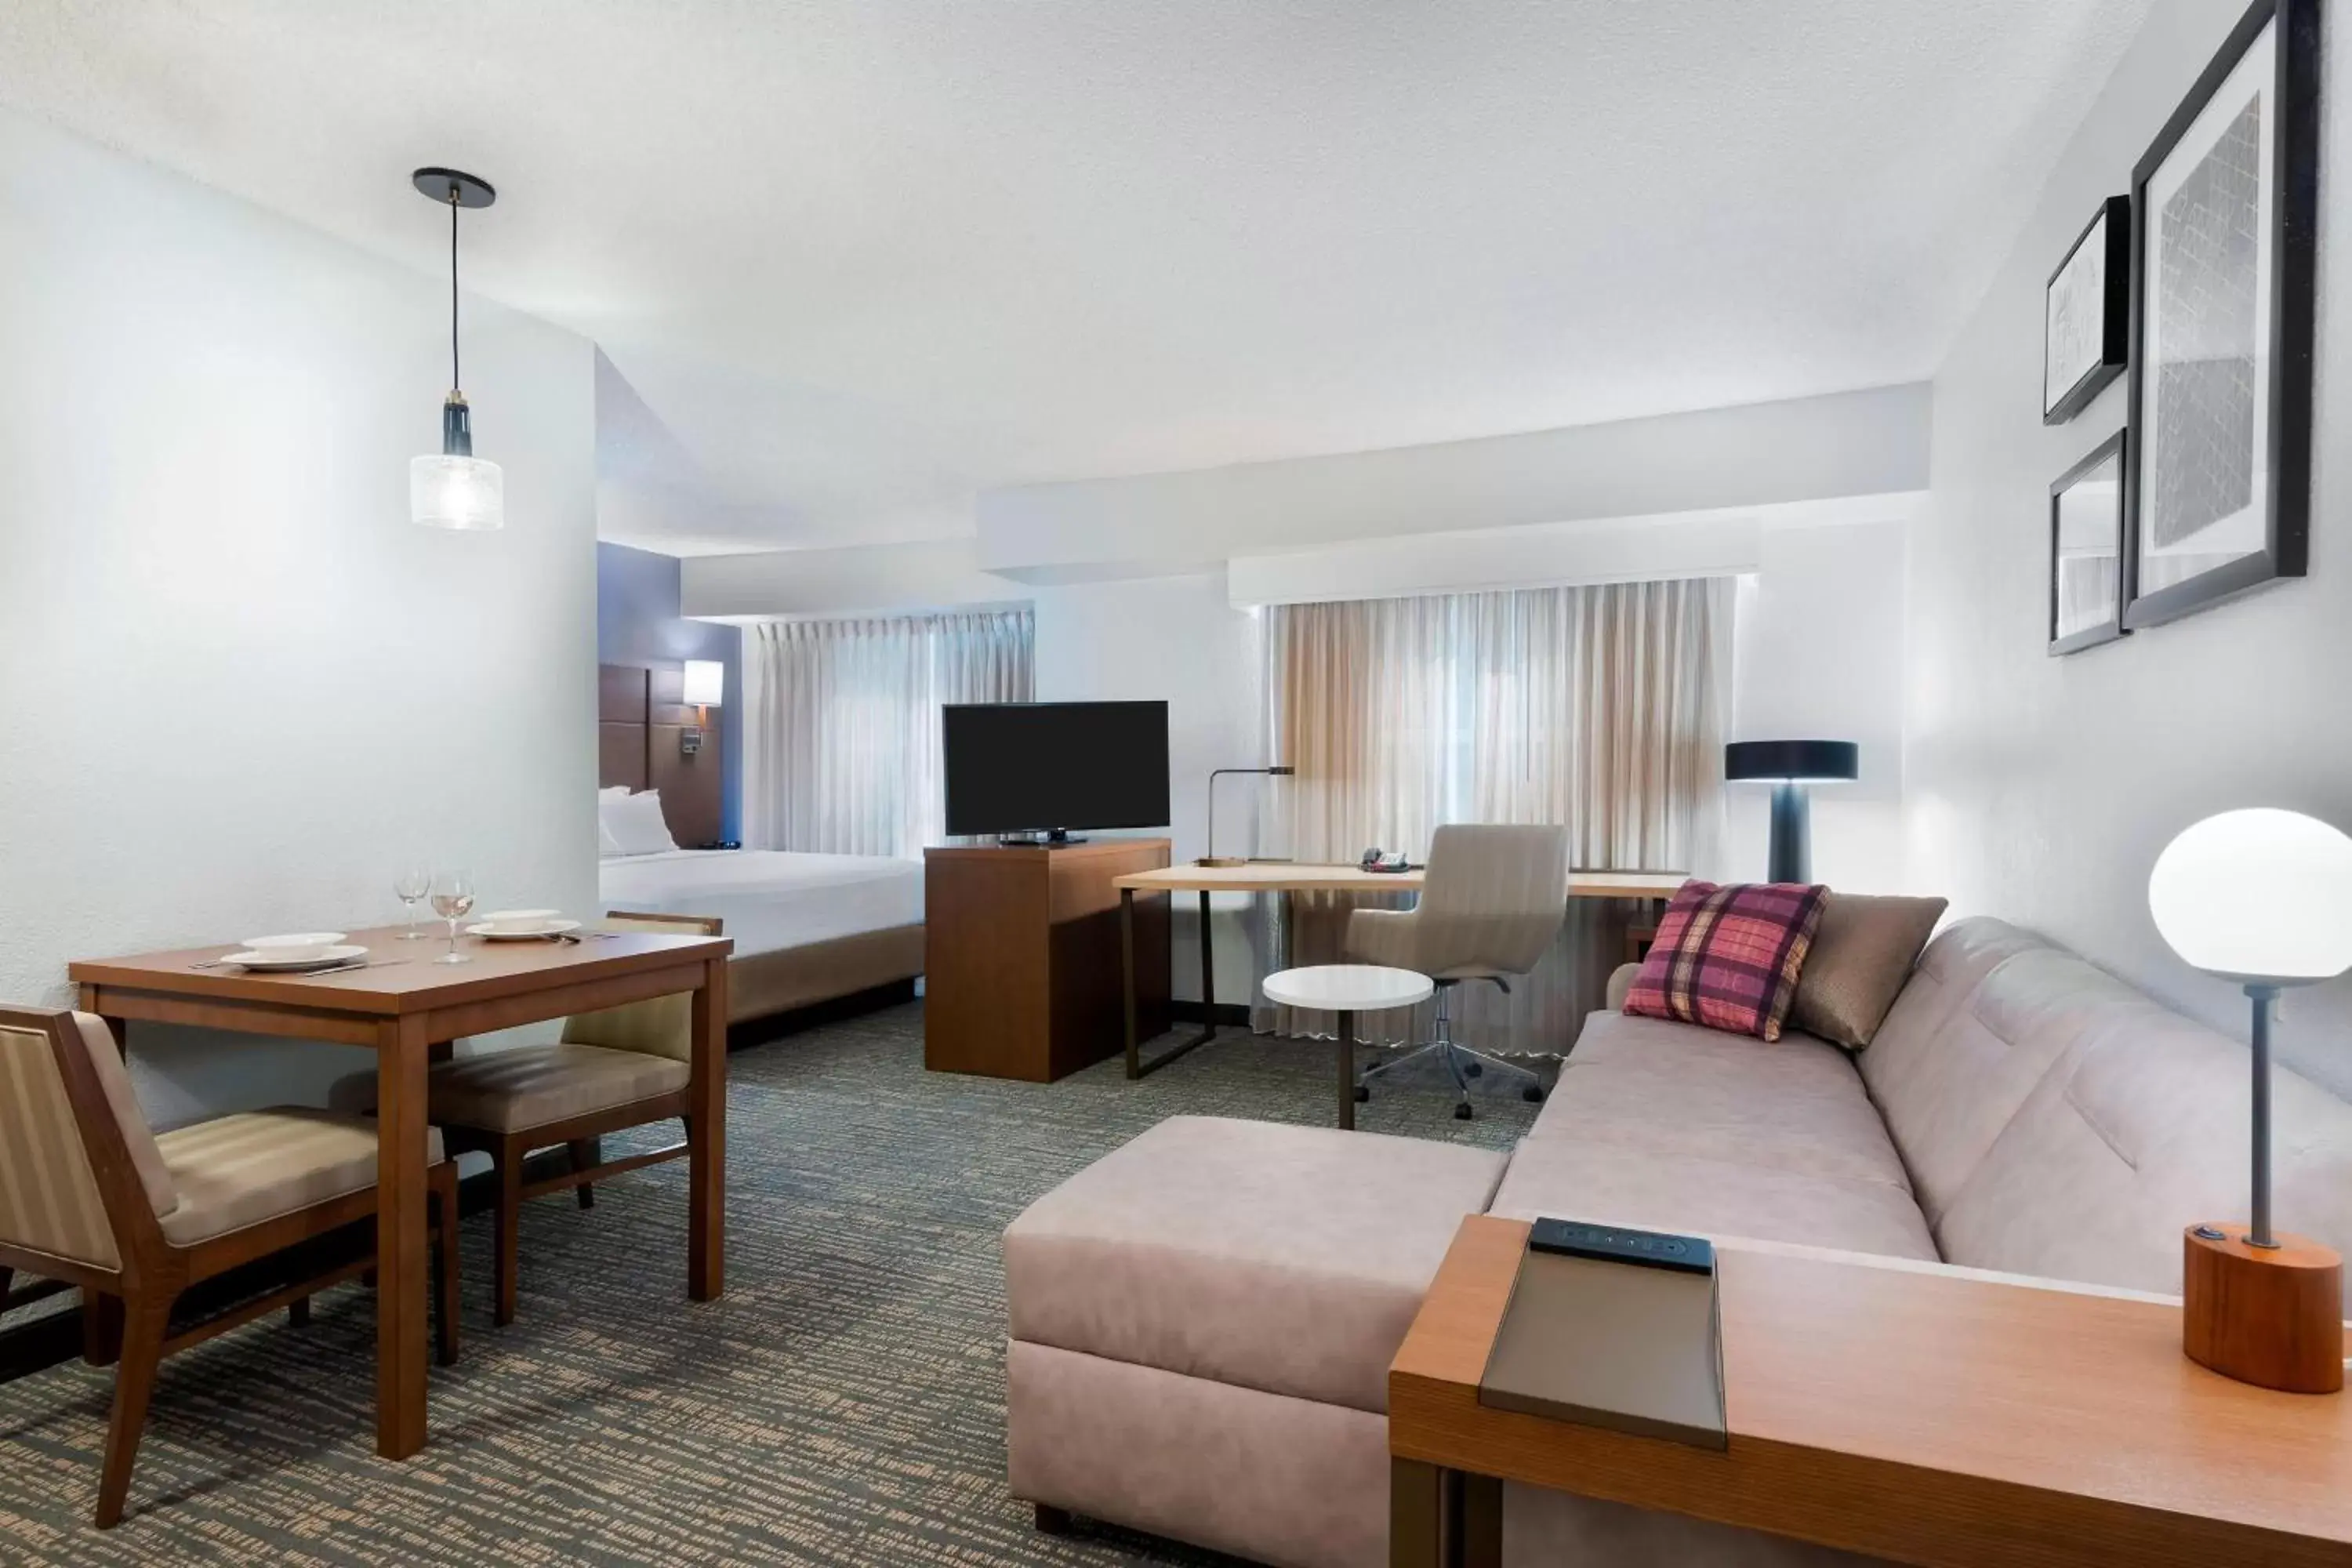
1912 1413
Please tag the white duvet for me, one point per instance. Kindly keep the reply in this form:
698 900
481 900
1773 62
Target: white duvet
769 898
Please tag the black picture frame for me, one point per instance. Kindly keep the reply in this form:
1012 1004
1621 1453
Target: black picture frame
2293 132
2115 450
2113 306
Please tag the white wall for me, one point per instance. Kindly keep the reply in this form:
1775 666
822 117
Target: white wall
239 687
1177 638
1819 655
2043 789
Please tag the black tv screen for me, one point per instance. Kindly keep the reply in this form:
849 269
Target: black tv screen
1028 767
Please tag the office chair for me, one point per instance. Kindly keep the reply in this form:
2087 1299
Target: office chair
1492 902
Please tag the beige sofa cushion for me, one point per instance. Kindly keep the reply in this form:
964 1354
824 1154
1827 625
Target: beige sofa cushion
1290 1259
1958 1054
1615 1183
1649 1085
236 1171
1862 952
2140 1132
512 1092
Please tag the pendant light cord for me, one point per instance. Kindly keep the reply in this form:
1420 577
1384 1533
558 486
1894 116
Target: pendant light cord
456 383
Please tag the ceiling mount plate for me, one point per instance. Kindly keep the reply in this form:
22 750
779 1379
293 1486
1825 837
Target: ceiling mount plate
454 184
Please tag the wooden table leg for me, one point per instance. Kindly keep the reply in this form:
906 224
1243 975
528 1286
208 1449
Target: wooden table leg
1416 1514
400 1240
1347 1072
1481 1528
706 1255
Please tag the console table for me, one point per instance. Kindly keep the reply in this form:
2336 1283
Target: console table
1887 1409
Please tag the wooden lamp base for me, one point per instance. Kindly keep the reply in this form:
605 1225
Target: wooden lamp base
2273 1316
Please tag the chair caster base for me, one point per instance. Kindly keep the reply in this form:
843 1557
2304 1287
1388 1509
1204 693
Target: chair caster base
1463 1112
1532 1094
1363 1095
1472 1069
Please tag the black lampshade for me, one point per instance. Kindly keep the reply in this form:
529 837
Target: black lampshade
1798 760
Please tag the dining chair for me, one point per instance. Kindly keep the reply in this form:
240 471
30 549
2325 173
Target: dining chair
91 1194
625 1067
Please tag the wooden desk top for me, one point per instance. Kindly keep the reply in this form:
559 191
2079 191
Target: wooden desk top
1290 877
1918 1415
400 977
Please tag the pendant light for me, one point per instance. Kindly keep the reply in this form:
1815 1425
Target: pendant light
456 489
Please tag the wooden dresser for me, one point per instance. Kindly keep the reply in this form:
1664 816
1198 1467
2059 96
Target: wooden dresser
1021 956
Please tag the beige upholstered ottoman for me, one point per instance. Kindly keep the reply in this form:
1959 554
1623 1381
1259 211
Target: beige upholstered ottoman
1202 1326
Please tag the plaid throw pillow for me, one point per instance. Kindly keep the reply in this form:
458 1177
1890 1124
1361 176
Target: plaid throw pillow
1728 958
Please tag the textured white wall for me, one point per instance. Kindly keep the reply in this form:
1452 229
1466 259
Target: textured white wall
1176 638
1819 655
238 686
2043 789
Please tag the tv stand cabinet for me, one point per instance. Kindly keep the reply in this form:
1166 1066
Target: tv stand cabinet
1023 959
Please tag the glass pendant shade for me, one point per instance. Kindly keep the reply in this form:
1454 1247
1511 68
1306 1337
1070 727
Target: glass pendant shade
2258 895
450 490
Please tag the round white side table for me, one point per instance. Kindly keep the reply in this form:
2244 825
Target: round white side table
1347 989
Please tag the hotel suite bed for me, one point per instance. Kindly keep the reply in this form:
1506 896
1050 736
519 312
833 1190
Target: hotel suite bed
807 928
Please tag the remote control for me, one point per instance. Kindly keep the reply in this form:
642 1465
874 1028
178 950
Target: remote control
1616 1244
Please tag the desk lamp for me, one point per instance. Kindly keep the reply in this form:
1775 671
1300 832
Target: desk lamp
2262 898
1213 857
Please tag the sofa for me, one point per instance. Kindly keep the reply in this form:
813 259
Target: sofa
1202 1322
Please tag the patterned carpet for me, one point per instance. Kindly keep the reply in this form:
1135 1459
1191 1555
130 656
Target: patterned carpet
844 1403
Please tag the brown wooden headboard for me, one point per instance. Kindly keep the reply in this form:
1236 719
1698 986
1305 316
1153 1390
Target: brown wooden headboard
639 720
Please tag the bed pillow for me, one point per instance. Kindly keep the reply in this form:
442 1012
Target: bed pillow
634 824
1861 954
1729 957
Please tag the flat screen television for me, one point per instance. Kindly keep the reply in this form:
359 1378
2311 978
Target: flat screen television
1049 767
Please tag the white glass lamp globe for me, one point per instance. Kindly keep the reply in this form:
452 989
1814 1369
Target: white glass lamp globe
2257 895
447 490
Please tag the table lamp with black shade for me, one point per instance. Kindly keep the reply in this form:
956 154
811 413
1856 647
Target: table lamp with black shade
1790 766
1211 857
2262 898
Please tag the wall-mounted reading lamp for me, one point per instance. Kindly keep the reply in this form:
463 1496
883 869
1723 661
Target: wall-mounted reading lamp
1211 857
704 687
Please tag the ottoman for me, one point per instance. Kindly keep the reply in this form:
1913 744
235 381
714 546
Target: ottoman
1201 1327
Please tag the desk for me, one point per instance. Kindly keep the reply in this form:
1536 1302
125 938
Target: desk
1920 1416
1294 877
407 1009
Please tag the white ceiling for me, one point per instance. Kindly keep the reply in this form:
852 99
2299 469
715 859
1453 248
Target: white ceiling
853 260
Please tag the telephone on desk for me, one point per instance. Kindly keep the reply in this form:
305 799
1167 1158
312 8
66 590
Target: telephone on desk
1385 861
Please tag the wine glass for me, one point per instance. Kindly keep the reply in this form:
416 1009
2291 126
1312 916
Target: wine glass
453 900
410 887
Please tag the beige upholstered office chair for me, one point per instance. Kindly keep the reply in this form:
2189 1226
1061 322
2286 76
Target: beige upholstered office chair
625 1067
90 1194
1492 902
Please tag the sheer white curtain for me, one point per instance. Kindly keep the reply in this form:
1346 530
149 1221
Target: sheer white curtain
1598 708
841 724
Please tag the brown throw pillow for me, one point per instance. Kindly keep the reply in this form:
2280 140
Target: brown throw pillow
1862 952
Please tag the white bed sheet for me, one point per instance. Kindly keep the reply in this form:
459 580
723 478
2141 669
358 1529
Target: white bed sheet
770 899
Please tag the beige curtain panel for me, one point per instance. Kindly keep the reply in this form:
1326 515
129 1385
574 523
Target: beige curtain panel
841 724
1600 708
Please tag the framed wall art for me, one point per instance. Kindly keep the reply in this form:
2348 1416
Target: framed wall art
2086 549
2086 315
2226 208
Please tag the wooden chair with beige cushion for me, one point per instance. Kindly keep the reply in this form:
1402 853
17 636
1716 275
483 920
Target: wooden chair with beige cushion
625 1067
89 1193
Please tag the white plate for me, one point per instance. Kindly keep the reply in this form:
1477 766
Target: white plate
516 916
539 931
340 955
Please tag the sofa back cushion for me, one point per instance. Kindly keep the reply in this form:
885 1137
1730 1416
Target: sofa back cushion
1944 1074
2138 1132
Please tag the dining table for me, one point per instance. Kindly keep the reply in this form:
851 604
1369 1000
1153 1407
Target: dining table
409 1010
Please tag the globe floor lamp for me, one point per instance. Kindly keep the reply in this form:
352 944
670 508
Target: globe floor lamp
1790 766
2262 898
